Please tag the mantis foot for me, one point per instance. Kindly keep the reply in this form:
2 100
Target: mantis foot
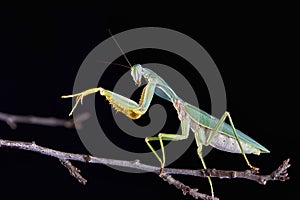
254 169
161 171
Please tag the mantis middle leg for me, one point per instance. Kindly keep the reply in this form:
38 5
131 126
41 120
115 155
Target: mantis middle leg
185 128
199 152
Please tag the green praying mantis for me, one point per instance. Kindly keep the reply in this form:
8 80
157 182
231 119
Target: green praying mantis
207 129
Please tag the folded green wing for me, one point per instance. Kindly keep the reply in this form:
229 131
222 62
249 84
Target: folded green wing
209 121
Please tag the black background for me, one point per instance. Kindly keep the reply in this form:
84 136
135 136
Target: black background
43 46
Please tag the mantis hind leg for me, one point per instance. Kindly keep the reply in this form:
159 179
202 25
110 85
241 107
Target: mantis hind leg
216 129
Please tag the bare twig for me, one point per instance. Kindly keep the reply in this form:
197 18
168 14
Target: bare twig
186 189
74 171
12 120
279 174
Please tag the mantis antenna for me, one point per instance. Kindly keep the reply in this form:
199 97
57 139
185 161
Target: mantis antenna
120 48
114 64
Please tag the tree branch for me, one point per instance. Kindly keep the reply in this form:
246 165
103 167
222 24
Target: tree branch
279 174
12 120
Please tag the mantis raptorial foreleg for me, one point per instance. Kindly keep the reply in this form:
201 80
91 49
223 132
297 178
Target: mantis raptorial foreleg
216 129
123 104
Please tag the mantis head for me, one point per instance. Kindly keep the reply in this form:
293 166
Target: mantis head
136 73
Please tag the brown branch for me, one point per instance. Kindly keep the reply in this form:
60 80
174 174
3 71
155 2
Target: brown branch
12 120
279 174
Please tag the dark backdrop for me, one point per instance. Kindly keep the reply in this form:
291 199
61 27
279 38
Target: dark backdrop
43 46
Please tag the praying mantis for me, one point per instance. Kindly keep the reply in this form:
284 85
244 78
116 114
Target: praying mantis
207 129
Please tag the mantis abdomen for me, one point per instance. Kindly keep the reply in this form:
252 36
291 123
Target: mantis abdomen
224 142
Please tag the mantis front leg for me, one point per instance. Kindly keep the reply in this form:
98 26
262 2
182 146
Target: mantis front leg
123 104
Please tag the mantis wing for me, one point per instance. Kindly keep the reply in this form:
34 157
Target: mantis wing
210 122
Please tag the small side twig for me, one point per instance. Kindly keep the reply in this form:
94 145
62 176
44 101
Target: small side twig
186 189
74 171
12 120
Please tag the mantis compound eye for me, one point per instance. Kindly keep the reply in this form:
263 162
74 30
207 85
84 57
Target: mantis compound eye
136 73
